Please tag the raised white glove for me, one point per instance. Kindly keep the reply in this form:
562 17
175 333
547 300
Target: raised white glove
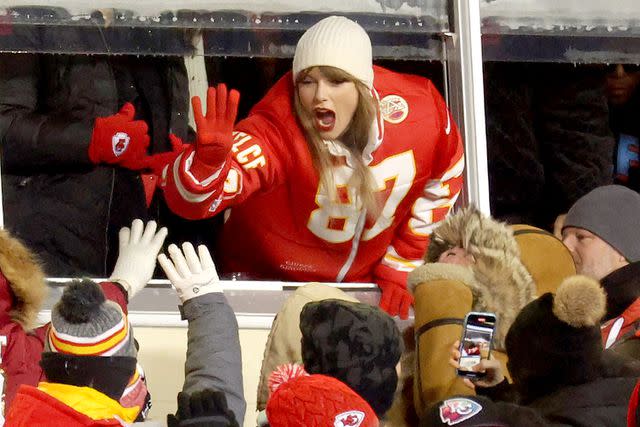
190 274
137 253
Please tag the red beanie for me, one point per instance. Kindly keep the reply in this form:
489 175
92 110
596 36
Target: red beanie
318 401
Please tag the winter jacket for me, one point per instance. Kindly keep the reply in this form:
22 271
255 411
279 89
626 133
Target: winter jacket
480 411
214 359
66 209
602 402
511 264
548 139
499 281
302 234
61 405
574 407
444 293
621 326
22 293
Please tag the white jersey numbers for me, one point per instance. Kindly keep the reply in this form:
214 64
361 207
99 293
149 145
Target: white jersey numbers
397 172
335 221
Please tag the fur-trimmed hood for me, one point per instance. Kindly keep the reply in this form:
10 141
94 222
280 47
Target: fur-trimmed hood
498 280
22 281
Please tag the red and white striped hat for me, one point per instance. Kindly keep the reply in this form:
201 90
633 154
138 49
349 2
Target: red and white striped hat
84 323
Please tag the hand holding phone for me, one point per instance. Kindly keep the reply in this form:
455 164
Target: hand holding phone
490 370
471 357
476 342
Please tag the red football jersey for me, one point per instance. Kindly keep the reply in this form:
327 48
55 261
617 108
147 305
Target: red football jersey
282 224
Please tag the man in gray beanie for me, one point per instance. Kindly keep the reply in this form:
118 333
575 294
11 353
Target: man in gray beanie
602 234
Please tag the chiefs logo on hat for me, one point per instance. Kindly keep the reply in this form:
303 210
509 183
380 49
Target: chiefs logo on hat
454 411
349 419
119 143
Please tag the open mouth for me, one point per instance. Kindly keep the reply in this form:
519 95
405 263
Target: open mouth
325 119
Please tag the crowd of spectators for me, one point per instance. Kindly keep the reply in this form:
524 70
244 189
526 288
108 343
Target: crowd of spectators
352 170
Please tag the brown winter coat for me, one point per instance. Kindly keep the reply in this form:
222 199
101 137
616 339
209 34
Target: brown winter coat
502 281
499 281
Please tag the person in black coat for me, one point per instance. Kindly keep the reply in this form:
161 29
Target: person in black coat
62 199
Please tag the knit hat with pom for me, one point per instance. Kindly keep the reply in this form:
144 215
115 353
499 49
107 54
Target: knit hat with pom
302 400
555 340
284 373
337 42
90 344
83 323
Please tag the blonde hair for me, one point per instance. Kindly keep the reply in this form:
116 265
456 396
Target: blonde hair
355 139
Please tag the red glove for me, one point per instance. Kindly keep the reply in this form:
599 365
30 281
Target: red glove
395 299
157 162
119 140
214 136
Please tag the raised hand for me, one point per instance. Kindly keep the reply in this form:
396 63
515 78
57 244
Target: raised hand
491 367
138 248
215 128
190 274
119 140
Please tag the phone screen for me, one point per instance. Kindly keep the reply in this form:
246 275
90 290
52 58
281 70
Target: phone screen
475 344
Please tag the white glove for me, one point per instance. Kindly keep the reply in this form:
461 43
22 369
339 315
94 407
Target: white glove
137 255
190 274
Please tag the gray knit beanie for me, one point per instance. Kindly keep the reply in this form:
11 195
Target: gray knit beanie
612 213
84 323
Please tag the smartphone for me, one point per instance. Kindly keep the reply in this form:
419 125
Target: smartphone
476 342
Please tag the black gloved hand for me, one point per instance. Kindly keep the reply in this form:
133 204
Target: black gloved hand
205 408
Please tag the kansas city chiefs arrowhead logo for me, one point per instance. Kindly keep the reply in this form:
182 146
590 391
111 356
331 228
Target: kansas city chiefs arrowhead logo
394 108
119 143
454 411
349 419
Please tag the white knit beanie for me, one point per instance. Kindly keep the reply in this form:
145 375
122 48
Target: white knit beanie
336 42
